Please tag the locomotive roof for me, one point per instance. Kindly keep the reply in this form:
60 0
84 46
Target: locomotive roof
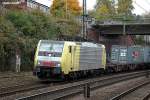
51 41
83 44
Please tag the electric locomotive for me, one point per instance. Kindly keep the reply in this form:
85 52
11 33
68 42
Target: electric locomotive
61 59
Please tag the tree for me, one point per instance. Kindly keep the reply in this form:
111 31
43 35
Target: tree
68 27
21 30
104 9
32 24
73 7
114 9
65 8
125 8
6 26
58 8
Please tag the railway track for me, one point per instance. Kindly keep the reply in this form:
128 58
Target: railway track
20 88
79 87
14 75
6 91
128 95
147 96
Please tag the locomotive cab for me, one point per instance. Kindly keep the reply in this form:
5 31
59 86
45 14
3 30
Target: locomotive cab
48 58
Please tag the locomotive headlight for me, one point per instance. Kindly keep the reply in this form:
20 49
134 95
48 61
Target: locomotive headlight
39 62
58 65
49 55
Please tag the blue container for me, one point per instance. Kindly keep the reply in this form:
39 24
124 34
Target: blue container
123 55
147 54
115 54
119 54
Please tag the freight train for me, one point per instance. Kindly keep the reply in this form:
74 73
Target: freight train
63 59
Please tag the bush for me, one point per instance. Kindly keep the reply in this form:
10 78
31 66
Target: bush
20 32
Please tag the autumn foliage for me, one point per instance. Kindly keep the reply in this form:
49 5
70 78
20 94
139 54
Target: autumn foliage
65 8
104 9
125 7
74 7
113 9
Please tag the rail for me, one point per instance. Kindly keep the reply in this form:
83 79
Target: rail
146 96
20 88
83 87
129 91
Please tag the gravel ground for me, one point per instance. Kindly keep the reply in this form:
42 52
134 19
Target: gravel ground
8 79
106 93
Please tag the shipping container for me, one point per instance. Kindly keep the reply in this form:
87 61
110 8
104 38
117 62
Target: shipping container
147 54
123 54
119 54
135 54
115 53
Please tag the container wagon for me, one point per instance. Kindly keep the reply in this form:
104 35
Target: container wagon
129 57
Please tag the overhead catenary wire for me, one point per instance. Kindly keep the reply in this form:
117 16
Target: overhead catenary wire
141 7
148 2
145 37
147 40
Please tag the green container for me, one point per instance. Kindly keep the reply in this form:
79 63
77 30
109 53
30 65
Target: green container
135 54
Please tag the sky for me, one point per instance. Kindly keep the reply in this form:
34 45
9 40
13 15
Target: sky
141 6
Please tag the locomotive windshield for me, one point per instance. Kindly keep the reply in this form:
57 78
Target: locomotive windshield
45 47
57 48
51 49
